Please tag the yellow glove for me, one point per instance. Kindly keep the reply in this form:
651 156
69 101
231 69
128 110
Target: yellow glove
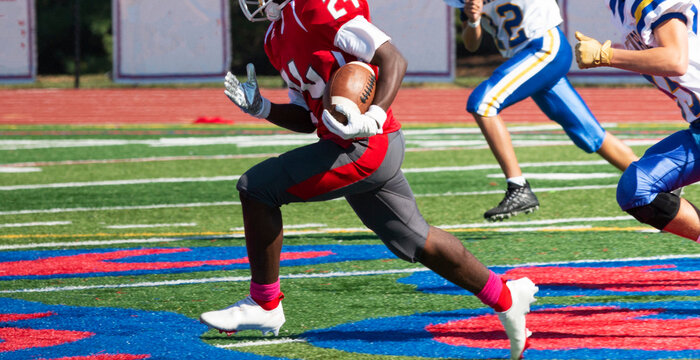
591 53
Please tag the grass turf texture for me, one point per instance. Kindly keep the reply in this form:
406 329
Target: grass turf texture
311 303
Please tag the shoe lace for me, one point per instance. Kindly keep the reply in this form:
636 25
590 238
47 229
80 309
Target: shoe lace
512 194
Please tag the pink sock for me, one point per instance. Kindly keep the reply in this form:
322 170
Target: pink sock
267 296
495 293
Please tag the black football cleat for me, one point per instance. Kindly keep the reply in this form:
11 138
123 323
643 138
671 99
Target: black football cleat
518 199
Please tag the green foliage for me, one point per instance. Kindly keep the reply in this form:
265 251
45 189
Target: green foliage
56 36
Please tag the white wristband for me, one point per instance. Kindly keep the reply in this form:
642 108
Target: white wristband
474 24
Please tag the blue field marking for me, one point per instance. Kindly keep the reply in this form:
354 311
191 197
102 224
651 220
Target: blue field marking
131 334
139 261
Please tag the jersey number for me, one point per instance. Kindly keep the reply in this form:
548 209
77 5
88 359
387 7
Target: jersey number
513 16
338 13
679 94
690 98
314 83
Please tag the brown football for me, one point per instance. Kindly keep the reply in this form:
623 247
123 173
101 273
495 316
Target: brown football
351 85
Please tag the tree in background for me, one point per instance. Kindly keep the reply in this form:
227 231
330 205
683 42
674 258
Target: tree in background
55 36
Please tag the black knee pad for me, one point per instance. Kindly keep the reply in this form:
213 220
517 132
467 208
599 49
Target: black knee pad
659 212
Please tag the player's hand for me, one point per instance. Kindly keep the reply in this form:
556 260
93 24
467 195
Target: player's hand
359 125
591 53
247 95
473 8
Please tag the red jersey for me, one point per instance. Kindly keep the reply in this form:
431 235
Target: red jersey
301 47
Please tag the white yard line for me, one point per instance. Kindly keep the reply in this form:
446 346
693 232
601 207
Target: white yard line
136 160
316 276
47 223
502 226
261 343
236 177
537 190
118 182
113 208
288 227
92 243
147 226
537 222
561 176
17 169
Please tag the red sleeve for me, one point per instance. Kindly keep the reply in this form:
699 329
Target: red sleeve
326 18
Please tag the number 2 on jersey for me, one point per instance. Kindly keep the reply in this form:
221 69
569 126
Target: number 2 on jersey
513 18
336 13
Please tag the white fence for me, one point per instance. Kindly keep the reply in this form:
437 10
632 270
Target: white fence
17 41
190 40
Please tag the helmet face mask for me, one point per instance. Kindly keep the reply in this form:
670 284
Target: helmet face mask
261 10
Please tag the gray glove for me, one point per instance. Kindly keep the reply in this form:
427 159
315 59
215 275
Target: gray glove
247 95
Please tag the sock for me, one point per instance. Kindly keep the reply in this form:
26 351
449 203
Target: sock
518 180
495 293
268 296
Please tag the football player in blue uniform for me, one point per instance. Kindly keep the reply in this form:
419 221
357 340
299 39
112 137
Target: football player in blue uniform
661 43
538 56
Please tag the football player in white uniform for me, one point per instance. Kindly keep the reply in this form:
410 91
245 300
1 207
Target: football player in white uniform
661 43
526 33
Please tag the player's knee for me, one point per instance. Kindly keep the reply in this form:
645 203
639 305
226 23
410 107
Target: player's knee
659 212
407 248
248 190
588 145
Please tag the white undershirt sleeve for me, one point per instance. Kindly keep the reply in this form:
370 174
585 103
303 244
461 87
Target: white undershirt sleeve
361 38
297 98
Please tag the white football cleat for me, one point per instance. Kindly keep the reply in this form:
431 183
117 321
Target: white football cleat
245 315
522 292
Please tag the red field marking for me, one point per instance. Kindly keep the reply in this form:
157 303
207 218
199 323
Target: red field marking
184 106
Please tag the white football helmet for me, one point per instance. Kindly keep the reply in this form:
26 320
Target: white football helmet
261 10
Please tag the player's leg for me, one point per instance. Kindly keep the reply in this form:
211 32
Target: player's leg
498 138
532 69
392 213
564 105
263 189
644 190
614 151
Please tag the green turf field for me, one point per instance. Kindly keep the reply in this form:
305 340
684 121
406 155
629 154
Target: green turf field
80 187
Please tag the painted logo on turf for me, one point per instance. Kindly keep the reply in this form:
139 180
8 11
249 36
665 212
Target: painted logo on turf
30 330
110 262
668 330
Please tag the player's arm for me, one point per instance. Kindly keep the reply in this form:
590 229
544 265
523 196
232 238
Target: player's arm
392 66
670 58
365 41
471 24
291 117
247 97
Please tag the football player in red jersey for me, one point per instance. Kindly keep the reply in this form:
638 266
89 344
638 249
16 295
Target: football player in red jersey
307 41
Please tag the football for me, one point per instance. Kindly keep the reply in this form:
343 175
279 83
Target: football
352 85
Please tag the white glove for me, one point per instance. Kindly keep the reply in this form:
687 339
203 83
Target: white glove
247 95
359 125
